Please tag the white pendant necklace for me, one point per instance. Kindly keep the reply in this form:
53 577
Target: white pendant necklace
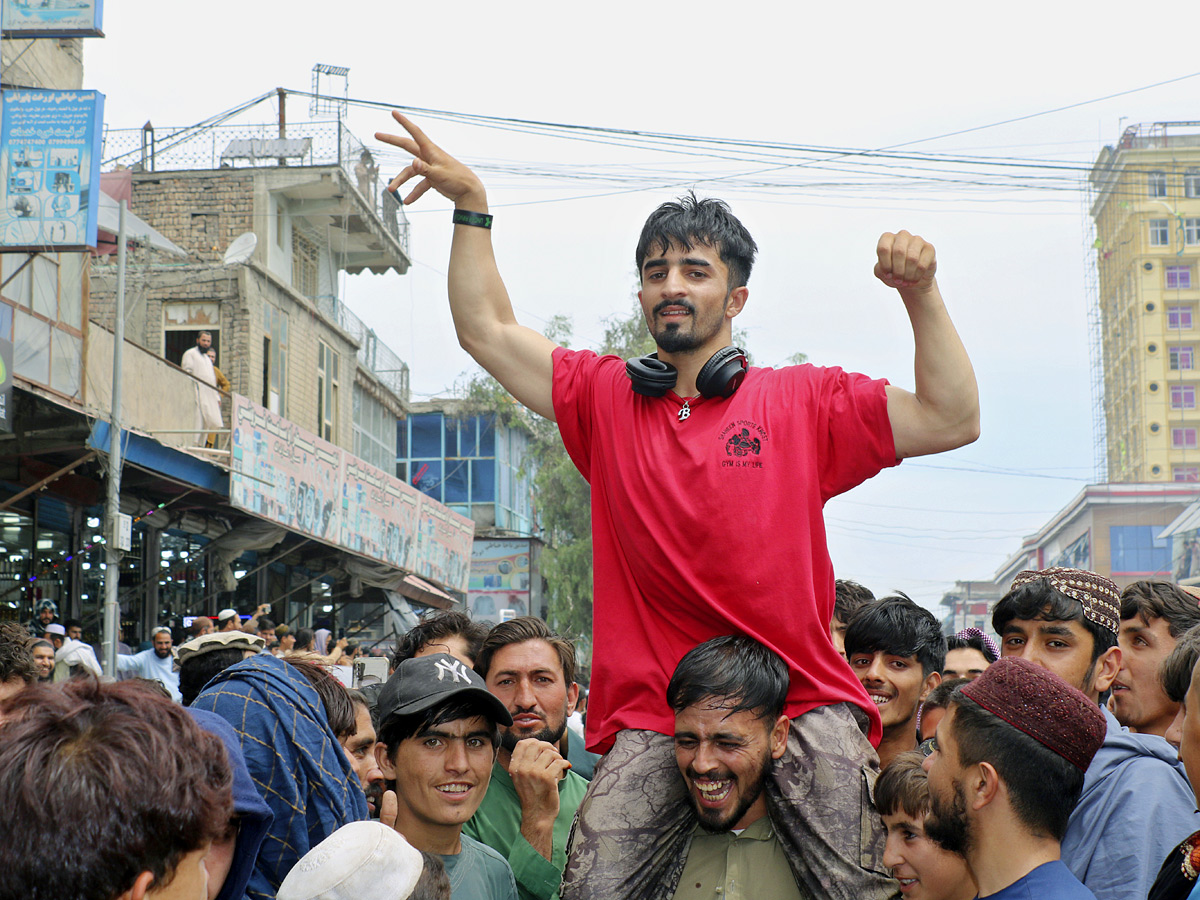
685 410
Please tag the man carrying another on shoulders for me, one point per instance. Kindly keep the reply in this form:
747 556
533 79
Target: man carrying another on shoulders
527 812
674 445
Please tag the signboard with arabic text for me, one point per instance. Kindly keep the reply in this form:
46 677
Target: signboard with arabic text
52 18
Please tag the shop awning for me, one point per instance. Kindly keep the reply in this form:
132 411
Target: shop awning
149 454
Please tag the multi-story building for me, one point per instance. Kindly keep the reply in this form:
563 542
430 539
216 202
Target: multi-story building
1146 208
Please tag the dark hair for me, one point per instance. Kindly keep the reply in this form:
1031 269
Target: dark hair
434 883
305 639
1038 599
1175 673
16 654
903 786
338 708
438 627
848 597
739 671
518 631
1161 600
897 626
101 783
1042 786
72 623
265 624
689 221
398 729
974 642
197 671
939 697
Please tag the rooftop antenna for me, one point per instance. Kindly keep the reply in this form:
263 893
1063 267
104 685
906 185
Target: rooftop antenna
331 78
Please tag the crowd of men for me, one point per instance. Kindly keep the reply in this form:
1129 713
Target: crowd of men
756 729
1058 764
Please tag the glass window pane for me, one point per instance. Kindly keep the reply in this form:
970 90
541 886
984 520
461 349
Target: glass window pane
427 477
483 481
451 437
18 288
70 289
487 436
31 348
45 287
456 483
427 435
402 439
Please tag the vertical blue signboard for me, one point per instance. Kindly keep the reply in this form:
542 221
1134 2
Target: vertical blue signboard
52 18
49 169
6 385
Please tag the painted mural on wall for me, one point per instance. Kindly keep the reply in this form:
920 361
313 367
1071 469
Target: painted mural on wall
288 475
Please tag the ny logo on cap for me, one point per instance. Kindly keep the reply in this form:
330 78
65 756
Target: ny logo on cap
454 668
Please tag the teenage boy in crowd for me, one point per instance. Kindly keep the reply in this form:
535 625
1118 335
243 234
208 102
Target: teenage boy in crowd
527 812
924 869
848 597
705 438
1006 771
1066 621
896 649
439 728
968 654
1154 615
109 791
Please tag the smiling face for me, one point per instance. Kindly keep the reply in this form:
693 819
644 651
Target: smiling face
1139 701
896 684
441 775
528 679
44 657
925 871
724 760
162 644
686 299
1064 648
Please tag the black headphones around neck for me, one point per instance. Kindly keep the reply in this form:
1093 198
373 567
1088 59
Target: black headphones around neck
719 377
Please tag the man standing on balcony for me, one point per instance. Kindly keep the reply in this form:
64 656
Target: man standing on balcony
208 402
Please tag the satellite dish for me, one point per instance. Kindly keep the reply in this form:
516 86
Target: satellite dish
241 249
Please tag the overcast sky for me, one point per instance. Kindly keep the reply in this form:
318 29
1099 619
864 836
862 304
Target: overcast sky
1012 257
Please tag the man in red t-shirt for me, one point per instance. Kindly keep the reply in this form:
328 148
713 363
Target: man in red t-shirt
707 492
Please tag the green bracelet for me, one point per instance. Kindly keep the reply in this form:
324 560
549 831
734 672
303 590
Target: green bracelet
465 217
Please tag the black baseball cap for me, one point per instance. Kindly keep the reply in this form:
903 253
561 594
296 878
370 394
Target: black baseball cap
427 681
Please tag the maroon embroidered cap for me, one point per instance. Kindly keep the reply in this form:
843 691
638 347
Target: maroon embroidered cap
1036 701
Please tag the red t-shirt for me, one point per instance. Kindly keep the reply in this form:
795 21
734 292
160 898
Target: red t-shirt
713 525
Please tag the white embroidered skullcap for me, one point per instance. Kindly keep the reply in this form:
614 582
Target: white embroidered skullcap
355 862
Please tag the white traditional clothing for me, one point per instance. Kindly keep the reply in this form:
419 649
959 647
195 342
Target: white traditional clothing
208 400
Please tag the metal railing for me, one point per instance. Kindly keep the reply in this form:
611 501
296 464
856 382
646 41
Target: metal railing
186 149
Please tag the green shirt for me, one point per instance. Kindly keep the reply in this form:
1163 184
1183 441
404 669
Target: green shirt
729 866
497 823
478 872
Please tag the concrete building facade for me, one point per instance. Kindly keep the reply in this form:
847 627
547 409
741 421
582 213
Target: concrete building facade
1146 209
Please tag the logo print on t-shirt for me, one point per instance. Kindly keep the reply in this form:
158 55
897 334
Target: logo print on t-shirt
743 441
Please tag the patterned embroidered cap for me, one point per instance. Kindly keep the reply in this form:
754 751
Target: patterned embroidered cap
1039 703
1100 598
361 859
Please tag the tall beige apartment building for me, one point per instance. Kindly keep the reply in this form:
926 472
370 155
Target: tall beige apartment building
1146 208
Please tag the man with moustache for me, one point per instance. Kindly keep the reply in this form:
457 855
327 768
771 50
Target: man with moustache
531 802
1005 773
728 695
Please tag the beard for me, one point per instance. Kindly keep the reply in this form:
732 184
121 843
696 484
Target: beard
948 824
717 821
671 338
551 734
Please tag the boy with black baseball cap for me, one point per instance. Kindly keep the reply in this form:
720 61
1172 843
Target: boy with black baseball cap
438 734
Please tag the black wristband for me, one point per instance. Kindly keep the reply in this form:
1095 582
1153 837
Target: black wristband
466 217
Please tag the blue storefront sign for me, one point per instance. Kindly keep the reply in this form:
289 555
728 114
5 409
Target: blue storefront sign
51 18
49 169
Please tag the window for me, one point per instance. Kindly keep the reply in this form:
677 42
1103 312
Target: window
1181 358
1185 473
1183 396
327 392
1157 182
1191 231
305 264
1183 438
374 431
1179 317
275 355
1135 551
1191 183
1178 277
1160 233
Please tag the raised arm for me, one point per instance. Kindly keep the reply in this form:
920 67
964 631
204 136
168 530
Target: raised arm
943 413
516 356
